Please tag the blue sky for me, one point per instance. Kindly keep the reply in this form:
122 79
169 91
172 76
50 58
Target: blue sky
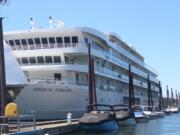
151 26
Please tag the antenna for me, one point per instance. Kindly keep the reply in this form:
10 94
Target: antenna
32 23
59 23
50 22
55 23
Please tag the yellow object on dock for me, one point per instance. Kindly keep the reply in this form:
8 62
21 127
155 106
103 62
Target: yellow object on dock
11 110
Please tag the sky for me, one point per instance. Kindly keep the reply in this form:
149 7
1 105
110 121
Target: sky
150 26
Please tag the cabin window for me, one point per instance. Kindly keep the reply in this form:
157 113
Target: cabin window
66 59
66 39
18 60
32 60
57 76
51 40
48 59
24 60
59 42
11 42
17 42
30 41
59 39
37 41
44 40
57 59
77 78
74 39
23 41
40 59
86 40
108 84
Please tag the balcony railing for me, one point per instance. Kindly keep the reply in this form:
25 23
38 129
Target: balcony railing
124 64
64 82
71 45
45 46
130 56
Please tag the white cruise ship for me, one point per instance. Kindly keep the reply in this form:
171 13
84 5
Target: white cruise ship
55 62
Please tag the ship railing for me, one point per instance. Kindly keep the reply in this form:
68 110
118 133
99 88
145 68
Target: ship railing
68 45
118 76
125 64
46 80
72 45
4 124
46 46
69 81
16 123
140 62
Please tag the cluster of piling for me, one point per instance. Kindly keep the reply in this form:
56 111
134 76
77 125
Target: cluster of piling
170 100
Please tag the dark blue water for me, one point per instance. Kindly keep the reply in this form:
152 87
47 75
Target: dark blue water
169 125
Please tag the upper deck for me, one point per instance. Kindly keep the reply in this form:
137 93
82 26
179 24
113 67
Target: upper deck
70 38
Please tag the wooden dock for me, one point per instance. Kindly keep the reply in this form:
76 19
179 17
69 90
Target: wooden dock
49 127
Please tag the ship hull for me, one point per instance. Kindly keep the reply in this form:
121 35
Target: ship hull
52 101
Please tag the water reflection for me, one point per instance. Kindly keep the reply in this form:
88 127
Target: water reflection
170 125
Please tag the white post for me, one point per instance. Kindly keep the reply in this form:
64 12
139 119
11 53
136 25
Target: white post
69 118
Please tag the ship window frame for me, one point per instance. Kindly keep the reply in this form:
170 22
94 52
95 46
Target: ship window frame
17 42
59 41
11 43
86 39
32 60
57 76
48 59
51 40
40 59
19 60
23 42
67 39
30 41
25 60
44 40
37 41
74 39
57 59
77 78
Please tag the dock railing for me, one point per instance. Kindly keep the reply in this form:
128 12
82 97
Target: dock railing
4 124
15 124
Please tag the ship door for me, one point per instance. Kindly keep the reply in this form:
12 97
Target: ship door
57 76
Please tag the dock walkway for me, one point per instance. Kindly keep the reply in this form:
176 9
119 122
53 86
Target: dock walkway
48 127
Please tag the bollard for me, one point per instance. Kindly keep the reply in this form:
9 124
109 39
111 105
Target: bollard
69 118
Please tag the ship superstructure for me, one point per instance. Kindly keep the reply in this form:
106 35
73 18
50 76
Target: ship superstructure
55 62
